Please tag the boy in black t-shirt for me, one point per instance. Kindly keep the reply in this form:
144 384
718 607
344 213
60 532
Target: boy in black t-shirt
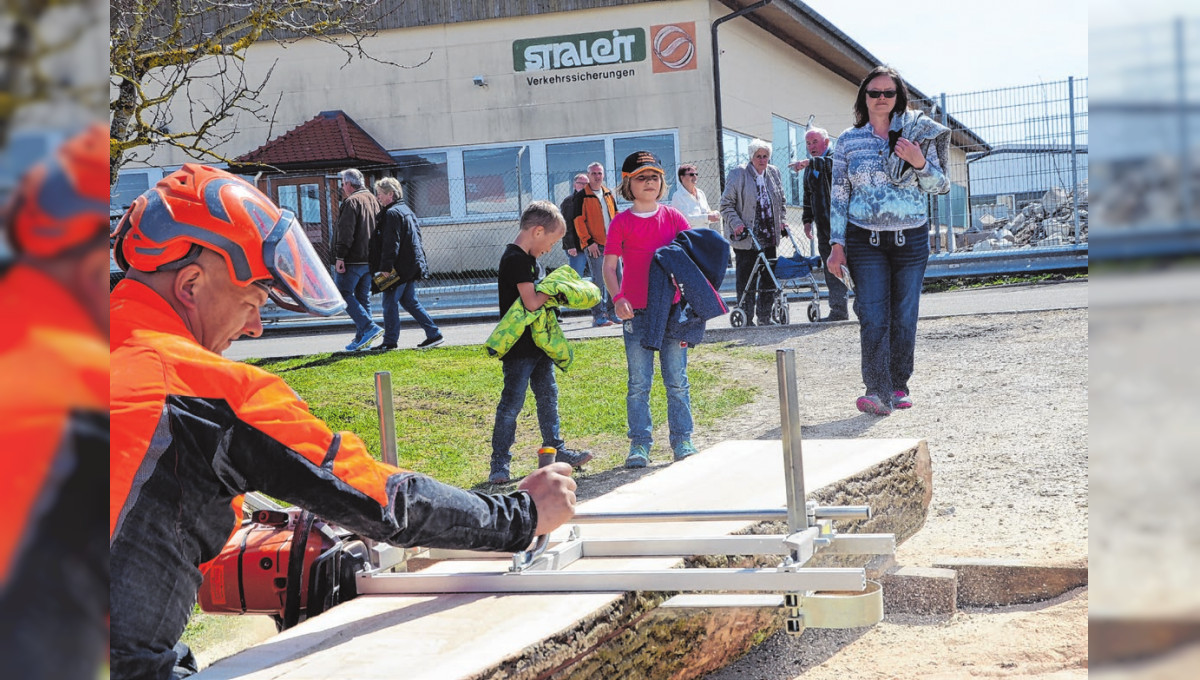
526 365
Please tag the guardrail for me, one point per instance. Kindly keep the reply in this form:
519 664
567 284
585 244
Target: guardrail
478 300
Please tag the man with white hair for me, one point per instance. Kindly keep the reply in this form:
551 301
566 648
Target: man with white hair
753 200
351 249
818 179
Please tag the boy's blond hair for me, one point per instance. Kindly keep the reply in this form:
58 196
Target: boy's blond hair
543 214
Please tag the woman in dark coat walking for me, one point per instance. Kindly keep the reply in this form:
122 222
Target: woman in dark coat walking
398 260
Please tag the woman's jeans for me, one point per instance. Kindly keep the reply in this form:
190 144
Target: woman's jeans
888 274
640 361
404 295
519 374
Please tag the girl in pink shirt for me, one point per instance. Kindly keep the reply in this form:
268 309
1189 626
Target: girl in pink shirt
633 237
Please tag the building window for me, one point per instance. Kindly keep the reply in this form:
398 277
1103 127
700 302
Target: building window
303 200
478 184
565 160
288 197
310 203
491 183
737 148
426 183
130 185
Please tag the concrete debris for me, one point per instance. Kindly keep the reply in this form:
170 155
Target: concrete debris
1049 221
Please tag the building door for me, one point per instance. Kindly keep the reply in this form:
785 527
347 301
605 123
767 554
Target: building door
308 198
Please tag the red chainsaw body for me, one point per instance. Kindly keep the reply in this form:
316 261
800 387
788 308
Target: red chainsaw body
249 576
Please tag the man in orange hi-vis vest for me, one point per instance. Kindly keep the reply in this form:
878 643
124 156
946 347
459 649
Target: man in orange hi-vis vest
54 416
192 431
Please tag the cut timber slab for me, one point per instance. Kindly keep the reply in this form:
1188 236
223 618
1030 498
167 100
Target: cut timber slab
451 636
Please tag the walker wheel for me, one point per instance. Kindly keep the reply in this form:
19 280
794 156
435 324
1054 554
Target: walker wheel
814 312
779 312
737 318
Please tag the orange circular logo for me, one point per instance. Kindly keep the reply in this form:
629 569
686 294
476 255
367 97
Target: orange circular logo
674 47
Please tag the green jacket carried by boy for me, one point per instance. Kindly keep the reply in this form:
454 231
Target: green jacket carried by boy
565 289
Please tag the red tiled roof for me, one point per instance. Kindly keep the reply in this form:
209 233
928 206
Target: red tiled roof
330 139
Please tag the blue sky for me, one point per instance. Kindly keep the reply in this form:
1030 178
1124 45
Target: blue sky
969 45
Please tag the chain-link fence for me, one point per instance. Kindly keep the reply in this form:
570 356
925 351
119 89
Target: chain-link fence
1018 168
1148 178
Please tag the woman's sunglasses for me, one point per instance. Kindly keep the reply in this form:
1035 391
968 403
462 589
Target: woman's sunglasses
876 94
690 174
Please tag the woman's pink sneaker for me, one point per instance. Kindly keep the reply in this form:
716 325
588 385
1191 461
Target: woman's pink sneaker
873 404
900 399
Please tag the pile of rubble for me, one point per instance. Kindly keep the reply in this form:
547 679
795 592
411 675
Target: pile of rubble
1046 222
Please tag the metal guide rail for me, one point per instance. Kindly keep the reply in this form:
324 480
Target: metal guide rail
812 597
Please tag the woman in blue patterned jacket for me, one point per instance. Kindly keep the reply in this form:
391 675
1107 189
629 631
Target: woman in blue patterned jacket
883 167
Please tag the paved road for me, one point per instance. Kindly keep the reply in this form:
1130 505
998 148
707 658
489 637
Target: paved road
1065 295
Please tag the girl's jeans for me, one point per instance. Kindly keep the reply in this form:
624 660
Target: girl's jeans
640 361
888 271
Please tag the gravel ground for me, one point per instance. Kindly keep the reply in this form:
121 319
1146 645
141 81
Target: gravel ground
1002 401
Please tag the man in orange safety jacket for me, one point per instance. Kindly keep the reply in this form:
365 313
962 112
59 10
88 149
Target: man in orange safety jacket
54 416
192 431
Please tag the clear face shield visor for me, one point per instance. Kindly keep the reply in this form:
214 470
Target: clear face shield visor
300 280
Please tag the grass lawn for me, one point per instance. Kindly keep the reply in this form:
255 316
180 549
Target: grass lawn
445 403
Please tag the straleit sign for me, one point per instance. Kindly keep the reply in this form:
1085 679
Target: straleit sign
604 48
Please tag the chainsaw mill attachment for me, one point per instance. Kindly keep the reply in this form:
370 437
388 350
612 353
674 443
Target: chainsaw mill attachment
812 597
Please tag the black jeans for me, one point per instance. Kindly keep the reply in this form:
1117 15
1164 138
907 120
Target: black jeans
838 294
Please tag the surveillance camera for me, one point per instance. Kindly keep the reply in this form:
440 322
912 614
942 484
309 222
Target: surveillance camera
480 81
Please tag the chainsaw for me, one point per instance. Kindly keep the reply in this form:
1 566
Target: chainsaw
257 573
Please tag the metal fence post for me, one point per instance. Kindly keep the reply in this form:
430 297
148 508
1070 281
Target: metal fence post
1074 167
387 416
520 188
946 169
1185 174
793 459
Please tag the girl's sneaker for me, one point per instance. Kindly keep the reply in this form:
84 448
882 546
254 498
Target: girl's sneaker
900 399
684 450
874 405
639 456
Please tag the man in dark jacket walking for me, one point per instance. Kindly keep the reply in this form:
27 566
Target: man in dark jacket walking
818 178
398 260
576 256
351 243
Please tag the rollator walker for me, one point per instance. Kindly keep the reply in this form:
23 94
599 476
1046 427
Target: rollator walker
794 273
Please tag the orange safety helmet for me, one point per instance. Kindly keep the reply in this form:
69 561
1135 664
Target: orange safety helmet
198 207
61 203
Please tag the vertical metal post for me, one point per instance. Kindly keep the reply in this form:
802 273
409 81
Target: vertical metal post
793 458
387 416
950 196
520 182
1185 170
1074 169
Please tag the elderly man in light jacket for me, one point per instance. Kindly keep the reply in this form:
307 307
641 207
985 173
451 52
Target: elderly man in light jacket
753 201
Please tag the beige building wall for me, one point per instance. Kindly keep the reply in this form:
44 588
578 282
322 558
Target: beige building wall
761 76
421 94
435 103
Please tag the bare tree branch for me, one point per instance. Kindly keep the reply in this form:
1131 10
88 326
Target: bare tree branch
27 51
165 49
